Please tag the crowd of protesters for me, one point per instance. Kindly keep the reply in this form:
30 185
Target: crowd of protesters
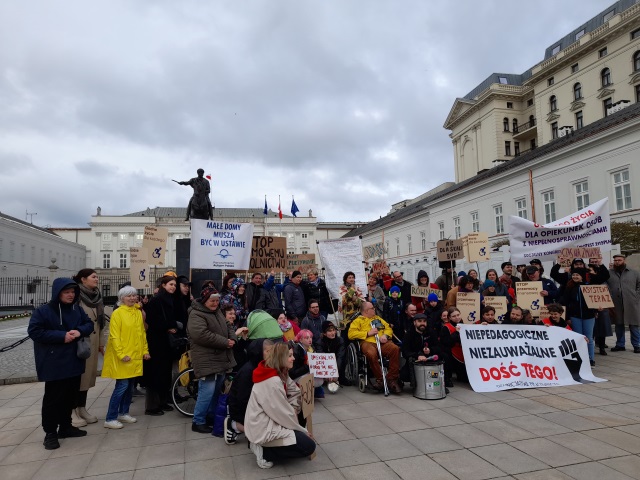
263 331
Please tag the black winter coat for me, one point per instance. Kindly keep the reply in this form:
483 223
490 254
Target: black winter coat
160 319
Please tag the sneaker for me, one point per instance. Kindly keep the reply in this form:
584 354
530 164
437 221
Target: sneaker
258 452
51 441
71 431
636 349
592 363
230 434
127 418
115 424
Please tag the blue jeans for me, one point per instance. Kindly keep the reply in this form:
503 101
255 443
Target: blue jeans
635 335
584 326
208 391
120 398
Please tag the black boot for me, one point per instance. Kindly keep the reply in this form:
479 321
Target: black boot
51 441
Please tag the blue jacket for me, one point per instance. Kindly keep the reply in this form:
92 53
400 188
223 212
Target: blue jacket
56 360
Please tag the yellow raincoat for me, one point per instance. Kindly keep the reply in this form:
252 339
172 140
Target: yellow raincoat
126 337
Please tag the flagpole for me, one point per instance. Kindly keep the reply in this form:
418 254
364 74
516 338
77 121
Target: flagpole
295 240
279 214
265 216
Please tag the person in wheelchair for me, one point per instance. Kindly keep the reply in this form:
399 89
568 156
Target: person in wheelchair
364 329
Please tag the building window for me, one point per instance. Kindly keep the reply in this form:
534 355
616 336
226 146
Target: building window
292 252
106 260
106 290
507 149
505 124
529 102
532 144
579 121
577 91
579 34
605 77
608 15
554 130
515 125
503 80
305 235
409 244
423 240
521 208
497 211
550 81
602 52
456 227
607 104
441 228
635 34
397 246
475 222
574 68
637 93
304 252
549 202
123 260
622 189
555 50
106 237
509 104
553 103
636 61
582 194
516 148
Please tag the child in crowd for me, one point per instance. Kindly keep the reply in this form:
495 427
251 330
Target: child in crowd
394 311
289 329
433 308
334 343
304 342
555 317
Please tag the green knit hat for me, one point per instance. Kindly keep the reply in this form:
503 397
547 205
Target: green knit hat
262 325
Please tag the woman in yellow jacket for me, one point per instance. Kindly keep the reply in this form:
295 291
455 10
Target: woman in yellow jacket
126 348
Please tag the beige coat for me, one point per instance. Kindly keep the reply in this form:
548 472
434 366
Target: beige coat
98 339
271 417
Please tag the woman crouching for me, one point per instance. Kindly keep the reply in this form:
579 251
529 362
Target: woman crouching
271 422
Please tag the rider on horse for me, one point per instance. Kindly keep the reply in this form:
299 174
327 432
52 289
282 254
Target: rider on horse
199 204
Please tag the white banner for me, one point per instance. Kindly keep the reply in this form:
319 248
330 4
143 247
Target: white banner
338 257
220 245
527 356
589 227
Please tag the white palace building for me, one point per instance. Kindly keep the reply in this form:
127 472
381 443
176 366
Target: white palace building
539 145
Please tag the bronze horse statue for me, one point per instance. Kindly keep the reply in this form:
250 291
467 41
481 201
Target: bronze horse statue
199 205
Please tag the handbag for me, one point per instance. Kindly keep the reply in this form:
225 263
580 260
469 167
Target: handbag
83 348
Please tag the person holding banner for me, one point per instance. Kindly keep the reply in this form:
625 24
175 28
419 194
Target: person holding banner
452 347
334 343
516 317
549 290
582 317
271 422
422 281
501 290
555 317
465 284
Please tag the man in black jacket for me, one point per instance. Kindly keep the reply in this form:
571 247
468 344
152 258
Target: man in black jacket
417 345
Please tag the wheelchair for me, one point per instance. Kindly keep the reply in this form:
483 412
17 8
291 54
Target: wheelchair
357 370
184 389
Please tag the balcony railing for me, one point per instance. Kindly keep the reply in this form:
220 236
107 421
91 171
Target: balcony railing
524 126
522 152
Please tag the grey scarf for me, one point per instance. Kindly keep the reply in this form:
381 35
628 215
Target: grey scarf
93 299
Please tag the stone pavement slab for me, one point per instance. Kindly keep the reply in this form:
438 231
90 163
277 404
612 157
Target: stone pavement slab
579 432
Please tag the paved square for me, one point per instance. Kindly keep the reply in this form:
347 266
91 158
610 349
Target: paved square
580 432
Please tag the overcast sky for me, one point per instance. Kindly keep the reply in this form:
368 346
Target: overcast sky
340 103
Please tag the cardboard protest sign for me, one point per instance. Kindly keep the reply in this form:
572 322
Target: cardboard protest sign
155 241
380 268
376 250
268 253
306 394
597 296
529 298
303 262
449 250
566 255
589 227
478 247
544 311
501 357
423 292
339 256
139 268
222 245
469 305
500 304
323 365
